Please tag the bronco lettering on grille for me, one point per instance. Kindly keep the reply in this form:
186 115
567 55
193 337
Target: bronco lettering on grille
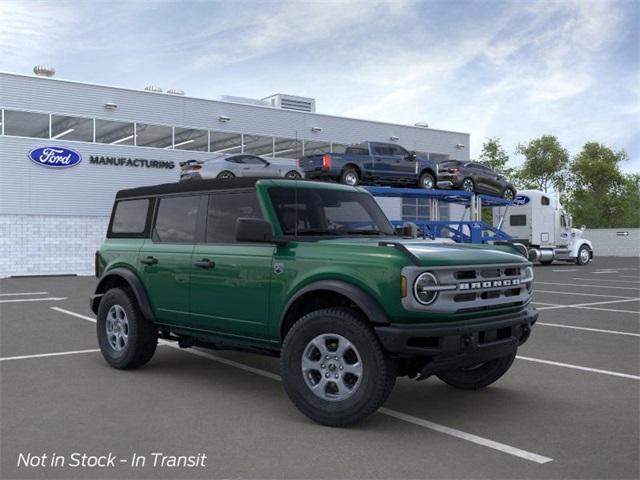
488 284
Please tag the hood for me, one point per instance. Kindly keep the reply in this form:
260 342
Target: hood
432 253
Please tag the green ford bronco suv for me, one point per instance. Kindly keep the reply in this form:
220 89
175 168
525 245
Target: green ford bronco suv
311 272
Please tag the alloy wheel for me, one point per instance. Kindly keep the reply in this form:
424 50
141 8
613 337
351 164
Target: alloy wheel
117 327
332 367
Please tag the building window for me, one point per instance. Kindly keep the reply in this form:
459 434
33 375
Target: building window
287 148
225 142
26 124
258 145
415 209
114 133
190 139
338 147
315 148
157 136
71 128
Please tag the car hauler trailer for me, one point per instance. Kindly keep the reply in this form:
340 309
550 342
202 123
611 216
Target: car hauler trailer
538 221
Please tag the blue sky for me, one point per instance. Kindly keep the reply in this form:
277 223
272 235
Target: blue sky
515 69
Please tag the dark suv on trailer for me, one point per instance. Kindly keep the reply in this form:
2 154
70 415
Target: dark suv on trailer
474 177
314 273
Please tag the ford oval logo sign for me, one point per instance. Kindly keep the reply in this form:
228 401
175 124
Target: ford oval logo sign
521 200
55 157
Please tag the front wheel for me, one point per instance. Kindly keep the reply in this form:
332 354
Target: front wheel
334 369
509 194
584 255
126 338
478 376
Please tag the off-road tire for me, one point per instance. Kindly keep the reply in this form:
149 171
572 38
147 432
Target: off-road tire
579 260
379 371
480 376
225 174
425 178
348 173
142 333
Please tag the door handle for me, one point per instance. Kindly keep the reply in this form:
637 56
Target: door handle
149 260
204 263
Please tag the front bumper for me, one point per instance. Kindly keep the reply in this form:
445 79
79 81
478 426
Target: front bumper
458 344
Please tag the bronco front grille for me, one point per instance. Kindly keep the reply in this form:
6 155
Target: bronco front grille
473 288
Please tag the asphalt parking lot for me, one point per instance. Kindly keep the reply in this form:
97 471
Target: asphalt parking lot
568 408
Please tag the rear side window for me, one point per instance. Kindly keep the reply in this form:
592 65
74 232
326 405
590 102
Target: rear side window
356 151
130 218
225 209
176 219
518 220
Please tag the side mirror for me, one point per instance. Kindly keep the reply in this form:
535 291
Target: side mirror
412 156
408 229
253 230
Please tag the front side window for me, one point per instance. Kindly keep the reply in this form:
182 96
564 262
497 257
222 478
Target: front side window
225 209
311 211
130 216
176 219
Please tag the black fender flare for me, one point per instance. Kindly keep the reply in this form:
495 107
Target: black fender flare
133 281
363 300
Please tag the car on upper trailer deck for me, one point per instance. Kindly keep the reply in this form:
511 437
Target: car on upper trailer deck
474 177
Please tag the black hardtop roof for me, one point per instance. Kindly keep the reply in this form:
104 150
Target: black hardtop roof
188 186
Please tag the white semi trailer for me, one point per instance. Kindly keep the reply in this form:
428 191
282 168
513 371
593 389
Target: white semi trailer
540 223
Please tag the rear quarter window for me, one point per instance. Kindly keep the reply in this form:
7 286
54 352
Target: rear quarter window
129 219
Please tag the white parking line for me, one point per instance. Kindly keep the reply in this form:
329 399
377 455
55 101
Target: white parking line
567 270
580 294
74 314
533 457
580 305
607 280
598 330
516 452
579 367
586 286
628 276
23 293
604 272
47 299
610 310
42 355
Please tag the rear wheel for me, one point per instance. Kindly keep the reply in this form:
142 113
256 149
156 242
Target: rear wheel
226 174
126 338
427 181
293 175
584 255
478 376
334 369
468 185
350 177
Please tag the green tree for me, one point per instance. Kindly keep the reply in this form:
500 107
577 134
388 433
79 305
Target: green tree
545 164
600 195
494 156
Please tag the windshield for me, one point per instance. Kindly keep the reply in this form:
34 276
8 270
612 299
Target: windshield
310 211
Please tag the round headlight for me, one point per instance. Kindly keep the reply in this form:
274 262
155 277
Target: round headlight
424 288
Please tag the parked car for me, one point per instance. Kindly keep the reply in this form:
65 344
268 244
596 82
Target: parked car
372 163
239 165
474 177
312 272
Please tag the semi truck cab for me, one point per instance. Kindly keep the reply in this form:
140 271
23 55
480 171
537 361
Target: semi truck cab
538 221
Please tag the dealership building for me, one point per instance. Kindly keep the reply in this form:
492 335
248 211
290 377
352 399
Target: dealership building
52 220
